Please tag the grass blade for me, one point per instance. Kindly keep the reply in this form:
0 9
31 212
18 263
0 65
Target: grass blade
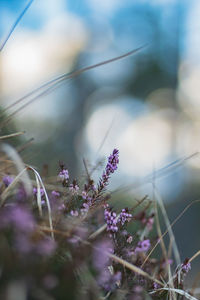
15 24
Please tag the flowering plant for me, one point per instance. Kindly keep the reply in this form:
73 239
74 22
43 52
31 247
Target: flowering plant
67 239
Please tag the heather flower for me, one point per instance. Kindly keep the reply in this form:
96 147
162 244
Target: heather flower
74 213
111 219
7 180
84 195
41 191
150 222
64 176
156 285
142 246
186 266
124 216
111 166
73 187
129 239
55 194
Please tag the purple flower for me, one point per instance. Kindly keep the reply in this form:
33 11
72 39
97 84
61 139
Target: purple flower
129 239
111 219
155 285
73 187
142 246
84 195
7 180
41 191
111 166
186 266
74 213
64 175
124 216
55 194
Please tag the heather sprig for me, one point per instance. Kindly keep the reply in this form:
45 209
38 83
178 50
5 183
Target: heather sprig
116 258
111 167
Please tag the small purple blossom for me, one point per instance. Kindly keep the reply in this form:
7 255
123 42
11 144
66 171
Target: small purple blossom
74 213
73 187
143 246
41 191
7 180
124 216
111 219
186 266
55 194
84 195
156 285
129 239
64 175
150 223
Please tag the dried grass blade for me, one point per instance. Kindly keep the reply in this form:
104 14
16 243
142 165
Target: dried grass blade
168 225
47 199
178 291
11 135
66 76
134 268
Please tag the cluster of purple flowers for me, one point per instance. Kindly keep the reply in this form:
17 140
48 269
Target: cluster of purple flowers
113 221
143 246
124 216
7 180
73 187
64 175
111 167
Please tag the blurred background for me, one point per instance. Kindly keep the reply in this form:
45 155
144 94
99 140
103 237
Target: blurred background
146 105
